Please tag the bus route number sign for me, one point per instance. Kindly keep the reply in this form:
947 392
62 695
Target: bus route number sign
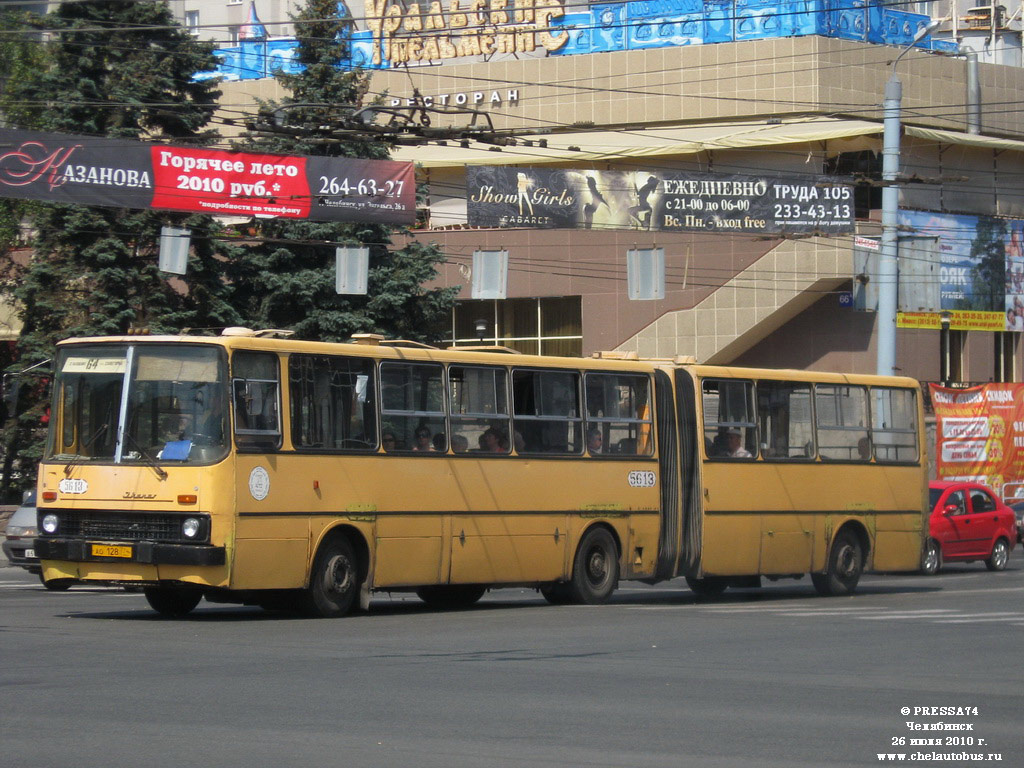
642 479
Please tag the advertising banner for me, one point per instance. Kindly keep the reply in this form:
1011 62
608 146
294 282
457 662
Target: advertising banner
980 270
980 435
502 196
128 174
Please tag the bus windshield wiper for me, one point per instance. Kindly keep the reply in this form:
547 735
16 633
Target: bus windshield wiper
146 456
80 456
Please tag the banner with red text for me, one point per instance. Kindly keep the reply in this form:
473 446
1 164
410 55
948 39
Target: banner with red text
123 173
979 435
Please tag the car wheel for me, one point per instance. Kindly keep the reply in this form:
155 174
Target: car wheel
845 565
932 558
1000 554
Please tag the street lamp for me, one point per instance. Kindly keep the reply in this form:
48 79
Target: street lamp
887 264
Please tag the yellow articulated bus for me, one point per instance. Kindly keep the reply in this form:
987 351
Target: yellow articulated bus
292 474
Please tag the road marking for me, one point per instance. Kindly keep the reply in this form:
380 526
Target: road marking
783 609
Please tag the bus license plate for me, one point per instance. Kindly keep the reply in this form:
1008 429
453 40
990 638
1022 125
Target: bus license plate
110 550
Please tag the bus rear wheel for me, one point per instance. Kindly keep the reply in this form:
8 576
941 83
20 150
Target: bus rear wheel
334 580
845 566
451 596
595 571
172 602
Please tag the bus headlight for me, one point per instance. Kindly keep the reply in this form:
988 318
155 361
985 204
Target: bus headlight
191 527
50 523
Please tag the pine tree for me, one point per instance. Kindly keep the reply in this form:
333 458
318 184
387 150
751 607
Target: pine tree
287 280
20 54
988 278
119 70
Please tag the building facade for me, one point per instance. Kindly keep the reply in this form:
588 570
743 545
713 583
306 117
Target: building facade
794 107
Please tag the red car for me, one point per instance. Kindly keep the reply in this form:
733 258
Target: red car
968 523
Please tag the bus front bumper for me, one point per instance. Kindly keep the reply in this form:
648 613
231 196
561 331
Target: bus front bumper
148 552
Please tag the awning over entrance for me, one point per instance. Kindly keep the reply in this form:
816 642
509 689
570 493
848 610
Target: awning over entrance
607 146
964 139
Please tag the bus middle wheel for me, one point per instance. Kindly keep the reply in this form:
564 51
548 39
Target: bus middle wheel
845 565
595 571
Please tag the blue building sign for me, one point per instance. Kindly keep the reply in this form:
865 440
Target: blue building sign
549 29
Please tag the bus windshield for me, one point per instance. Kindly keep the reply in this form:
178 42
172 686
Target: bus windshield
148 404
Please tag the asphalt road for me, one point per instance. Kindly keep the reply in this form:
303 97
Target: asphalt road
780 677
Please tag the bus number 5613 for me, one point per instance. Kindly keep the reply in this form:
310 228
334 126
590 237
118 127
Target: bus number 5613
638 479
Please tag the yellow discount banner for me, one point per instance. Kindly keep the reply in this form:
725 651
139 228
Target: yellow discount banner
958 320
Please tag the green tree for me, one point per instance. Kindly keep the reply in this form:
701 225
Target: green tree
120 70
988 277
287 278
20 54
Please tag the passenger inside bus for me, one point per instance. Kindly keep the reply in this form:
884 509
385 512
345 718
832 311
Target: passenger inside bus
627 446
595 440
423 442
734 445
491 441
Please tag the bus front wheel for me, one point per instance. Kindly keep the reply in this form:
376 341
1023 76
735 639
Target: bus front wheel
595 572
845 565
171 602
334 580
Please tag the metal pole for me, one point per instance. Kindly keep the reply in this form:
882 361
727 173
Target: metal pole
888 273
887 255
973 94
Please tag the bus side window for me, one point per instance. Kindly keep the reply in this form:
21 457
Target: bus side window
841 414
728 408
618 414
333 403
412 406
784 417
546 411
478 409
894 424
256 393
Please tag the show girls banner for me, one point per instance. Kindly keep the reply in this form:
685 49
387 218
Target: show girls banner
503 196
123 173
980 435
